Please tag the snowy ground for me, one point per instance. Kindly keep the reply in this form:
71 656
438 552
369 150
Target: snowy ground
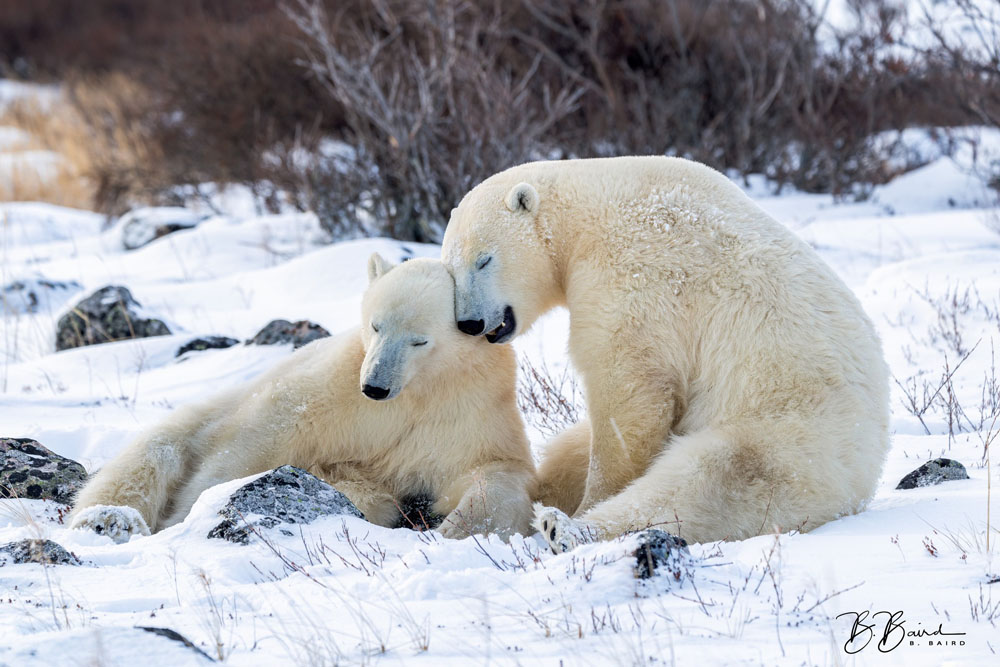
923 254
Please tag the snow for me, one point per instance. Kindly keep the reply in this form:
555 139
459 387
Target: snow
922 254
20 161
16 91
35 166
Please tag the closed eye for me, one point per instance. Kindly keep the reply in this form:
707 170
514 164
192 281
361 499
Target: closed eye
374 328
419 343
483 262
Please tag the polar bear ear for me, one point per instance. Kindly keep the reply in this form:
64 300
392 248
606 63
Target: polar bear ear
377 267
522 197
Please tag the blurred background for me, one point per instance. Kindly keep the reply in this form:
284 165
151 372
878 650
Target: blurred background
378 115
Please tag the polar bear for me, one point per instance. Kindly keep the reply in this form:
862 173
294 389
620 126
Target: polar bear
434 414
734 384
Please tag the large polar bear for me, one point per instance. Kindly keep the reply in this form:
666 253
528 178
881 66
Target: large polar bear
452 430
734 385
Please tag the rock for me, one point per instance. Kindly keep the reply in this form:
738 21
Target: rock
36 551
659 550
933 472
417 513
34 295
28 469
206 343
278 332
143 225
107 315
284 495
173 635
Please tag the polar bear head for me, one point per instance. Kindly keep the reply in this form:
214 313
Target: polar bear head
407 324
496 248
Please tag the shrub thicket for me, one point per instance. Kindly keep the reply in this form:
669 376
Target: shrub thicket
432 96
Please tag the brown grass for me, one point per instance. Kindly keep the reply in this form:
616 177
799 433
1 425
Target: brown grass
96 127
54 129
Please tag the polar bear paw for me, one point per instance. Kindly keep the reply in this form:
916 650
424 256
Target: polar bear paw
116 521
560 532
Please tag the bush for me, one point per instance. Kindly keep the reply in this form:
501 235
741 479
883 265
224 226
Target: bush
431 97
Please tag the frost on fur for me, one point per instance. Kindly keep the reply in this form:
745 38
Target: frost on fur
117 522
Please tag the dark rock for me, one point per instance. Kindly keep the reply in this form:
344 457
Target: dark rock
278 332
659 550
933 472
144 225
107 315
206 343
28 469
284 495
36 551
417 512
173 635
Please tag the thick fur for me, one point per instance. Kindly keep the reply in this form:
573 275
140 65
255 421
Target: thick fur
562 475
734 384
454 433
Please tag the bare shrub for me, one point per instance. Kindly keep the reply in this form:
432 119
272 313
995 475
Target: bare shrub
970 55
125 159
435 96
969 59
429 108
551 402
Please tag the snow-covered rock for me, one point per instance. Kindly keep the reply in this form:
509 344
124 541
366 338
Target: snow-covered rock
109 314
206 343
36 551
281 332
144 225
28 469
286 495
36 295
659 550
933 472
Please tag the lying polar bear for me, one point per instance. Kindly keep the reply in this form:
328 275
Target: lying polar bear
454 434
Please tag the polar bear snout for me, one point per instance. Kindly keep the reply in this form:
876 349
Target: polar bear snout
505 331
384 381
502 328
375 393
480 307
472 327
387 368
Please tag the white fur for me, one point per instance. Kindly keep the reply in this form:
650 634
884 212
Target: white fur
734 384
454 433
560 532
117 522
523 196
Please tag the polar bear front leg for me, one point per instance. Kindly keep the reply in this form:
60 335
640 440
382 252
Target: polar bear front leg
631 417
139 479
561 533
496 501
116 521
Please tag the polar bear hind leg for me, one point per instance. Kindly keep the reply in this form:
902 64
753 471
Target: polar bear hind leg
562 474
718 485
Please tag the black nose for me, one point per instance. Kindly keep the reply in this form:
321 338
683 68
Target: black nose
471 327
378 393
